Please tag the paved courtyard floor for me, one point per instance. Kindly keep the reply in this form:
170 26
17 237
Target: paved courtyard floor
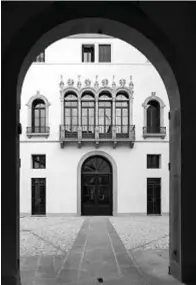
88 250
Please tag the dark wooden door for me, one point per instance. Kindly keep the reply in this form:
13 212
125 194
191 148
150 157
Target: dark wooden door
96 194
153 196
38 196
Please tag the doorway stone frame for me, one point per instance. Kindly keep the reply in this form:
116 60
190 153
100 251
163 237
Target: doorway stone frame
114 179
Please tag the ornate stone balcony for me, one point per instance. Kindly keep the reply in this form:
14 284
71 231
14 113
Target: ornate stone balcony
38 132
160 133
97 134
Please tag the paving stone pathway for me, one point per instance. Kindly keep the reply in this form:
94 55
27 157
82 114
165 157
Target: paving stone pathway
97 253
97 256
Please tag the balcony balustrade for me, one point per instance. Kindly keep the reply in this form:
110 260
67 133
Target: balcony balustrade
156 133
40 131
97 134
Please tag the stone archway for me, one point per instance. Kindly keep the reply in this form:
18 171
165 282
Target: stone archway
114 178
149 49
182 257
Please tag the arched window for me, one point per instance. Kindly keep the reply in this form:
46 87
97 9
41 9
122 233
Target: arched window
105 114
153 117
71 113
122 114
88 114
38 116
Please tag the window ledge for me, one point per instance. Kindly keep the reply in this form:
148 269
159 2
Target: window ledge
154 135
29 135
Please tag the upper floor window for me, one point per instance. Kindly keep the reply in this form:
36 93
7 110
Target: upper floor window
38 161
105 113
38 116
153 117
122 113
88 53
71 112
40 57
104 53
88 113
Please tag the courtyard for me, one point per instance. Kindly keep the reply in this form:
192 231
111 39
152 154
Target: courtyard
80 250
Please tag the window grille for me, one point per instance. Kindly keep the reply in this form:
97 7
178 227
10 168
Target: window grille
104 53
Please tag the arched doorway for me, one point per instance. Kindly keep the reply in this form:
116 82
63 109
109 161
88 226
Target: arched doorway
96 187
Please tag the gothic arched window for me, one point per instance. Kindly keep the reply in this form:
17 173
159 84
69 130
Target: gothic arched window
71 112
105 114
122 114
88 114
38 116
153 117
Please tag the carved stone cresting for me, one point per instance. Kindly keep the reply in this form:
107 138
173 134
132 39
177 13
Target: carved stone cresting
87 82
70 82
105 82
122 82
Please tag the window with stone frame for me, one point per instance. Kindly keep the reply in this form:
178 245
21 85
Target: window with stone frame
38 161
122 114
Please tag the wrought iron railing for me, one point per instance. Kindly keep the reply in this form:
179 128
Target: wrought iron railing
160 131
68 131
97 132
105 132
38 130
88 132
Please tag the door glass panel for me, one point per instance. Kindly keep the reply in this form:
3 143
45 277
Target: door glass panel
103 195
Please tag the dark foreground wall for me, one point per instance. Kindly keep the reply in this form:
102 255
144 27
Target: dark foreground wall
171 27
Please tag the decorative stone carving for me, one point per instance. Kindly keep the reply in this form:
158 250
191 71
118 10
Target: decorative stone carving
37 93
79 84
105 82
70 82
153 94
131 85
61 84
96 85
113 83
122 82
87 82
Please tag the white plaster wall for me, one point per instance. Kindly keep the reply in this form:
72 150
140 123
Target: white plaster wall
61 175
69 50
64 58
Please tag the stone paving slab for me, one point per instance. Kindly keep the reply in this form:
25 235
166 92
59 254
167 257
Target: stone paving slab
97 251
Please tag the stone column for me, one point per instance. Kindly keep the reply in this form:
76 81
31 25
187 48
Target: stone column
79 119
113 119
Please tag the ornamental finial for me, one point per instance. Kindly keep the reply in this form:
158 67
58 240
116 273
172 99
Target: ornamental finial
113 83
79 84
131 85
96 85
61 84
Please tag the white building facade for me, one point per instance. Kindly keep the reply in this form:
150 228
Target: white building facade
95 140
